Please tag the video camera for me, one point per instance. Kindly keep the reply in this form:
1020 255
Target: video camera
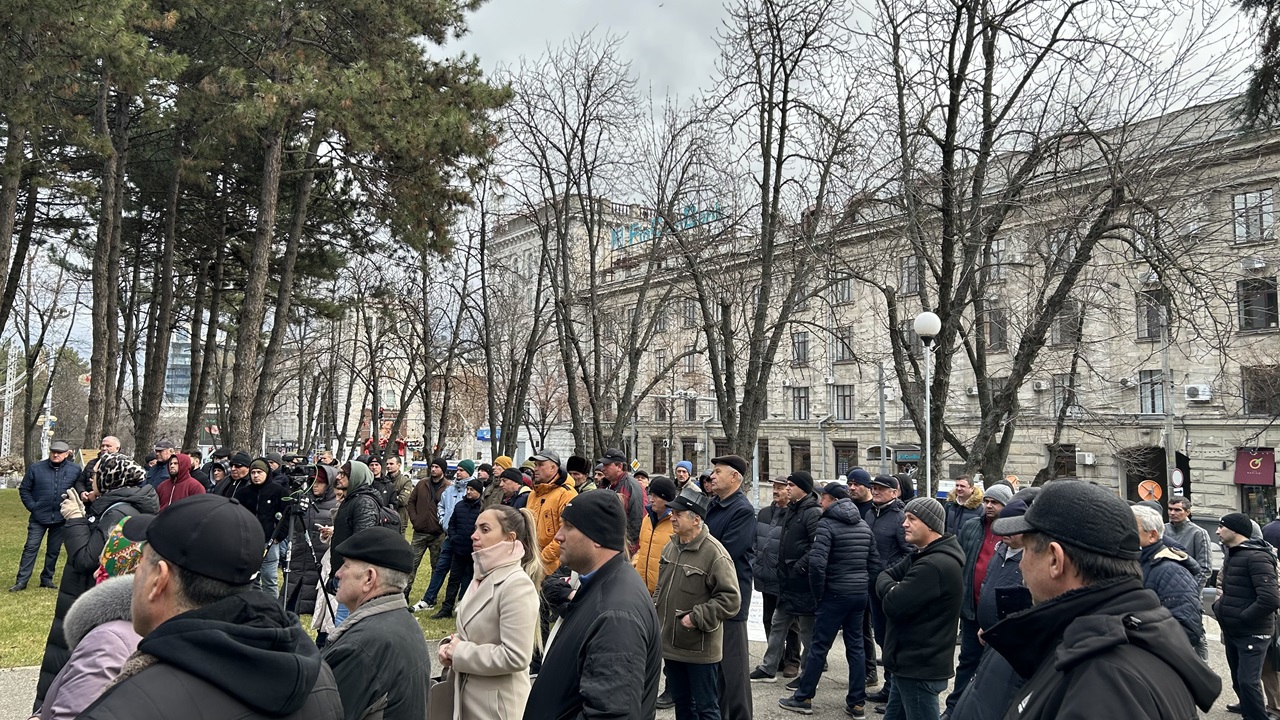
300 478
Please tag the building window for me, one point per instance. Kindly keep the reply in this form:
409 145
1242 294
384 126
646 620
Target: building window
660 411
802 295
846 455
660 319
799 349
910 340
1152 312
997 326
1061 247
660 452
659 362
842 290
689 451
762 458
1257 300
1150 392
1067 324
690 410
800 457
911 271
1062 458
844 344
1064 393
799 403
996 259
722 447
1253 216
690 359
689 317
1261 390
845 407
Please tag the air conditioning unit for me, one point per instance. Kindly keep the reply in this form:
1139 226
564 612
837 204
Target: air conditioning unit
1126 382
1085 458
787 383
1197 393
1252 263
830 379
1039 385
971 391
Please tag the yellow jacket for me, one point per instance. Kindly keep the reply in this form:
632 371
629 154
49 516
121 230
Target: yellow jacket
546 502
652 540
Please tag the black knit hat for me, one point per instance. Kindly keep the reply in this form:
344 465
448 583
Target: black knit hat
379 546
1237 522
241 458
599 516
802 480
662 486
1079 513
442 464
476 484
513 475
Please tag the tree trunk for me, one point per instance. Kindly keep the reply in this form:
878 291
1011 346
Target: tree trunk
162 331
111 413
206 358
10 179
246 385
19 263
103 321
204 266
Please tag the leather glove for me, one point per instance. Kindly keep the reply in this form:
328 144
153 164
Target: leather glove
556 591
72 506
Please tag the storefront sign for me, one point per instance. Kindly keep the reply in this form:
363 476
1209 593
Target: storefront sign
1255 466
642 232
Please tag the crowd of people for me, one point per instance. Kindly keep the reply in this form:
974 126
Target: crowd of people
584 589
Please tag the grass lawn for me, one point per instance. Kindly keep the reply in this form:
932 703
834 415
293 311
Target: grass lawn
25 617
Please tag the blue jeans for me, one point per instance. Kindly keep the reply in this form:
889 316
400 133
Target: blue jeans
912 699
269 573
35 533
695 689
438 572
970 656
836 614
1245 656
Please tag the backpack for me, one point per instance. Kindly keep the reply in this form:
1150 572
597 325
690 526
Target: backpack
389 518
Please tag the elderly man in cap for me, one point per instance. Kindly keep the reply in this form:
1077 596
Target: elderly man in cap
237 477
158 473
731 519
579 469
194 607
842 565
42 490
764 569
920 595
606 649
1245 610
885 518
697 592
796 602
979 545
617 473
1096 643
378 655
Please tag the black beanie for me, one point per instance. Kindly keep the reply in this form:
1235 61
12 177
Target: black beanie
802 480
1237 522
442 464
599 516
476 484
513 475
663 487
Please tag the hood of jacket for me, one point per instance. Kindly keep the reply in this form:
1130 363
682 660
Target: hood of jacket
142 497
99 605
1086 622
559 482
331 475
361 475
843 511
1252 545
263 657
184 469
973 503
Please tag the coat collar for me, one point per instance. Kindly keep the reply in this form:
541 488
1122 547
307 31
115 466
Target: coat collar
476 598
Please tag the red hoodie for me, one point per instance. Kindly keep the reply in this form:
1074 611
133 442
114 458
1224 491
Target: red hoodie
180 486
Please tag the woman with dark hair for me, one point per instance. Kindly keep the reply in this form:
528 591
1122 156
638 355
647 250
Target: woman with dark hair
119 484
497 619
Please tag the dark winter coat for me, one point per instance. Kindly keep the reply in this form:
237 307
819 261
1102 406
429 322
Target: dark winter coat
463 524
697 581
157 474
764 566
306 549
424 506
732 521
242 657
1171 575
1004 571
1250 597
970 539
1107 650
42 489
359 510
634 501
921 599
844 558
994 683
265 501
607 654
230 486
960 513
799 528
378 655
886 525
83 539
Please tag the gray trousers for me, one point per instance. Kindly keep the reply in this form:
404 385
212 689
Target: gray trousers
782 622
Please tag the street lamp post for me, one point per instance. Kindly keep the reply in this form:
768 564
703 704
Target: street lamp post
927 327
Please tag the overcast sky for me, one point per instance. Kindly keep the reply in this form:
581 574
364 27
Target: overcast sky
671 43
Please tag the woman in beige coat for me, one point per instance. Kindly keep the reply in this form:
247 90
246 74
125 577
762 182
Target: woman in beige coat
497 619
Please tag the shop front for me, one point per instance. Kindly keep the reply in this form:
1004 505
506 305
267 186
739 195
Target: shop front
1255 476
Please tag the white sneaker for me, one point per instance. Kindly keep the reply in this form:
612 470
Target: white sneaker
420 606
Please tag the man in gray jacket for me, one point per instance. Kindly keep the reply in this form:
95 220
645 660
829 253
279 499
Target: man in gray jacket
1183 530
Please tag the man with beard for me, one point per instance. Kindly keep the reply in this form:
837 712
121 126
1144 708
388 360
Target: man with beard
237 478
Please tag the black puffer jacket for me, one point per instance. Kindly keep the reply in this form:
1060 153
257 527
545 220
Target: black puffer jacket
921 598
1249 594
886 525
799 528
83 539
1171 574
764 566
265 501
242 657
463 524
844 557
305 547
1105 651
378 652
358 511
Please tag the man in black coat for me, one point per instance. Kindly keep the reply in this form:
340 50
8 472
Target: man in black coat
1246 610
842 563
731 519
378 655
1170 573
194 606
921 599
764 569
885 518
461 525
605 654
796 603
265 499
1096 643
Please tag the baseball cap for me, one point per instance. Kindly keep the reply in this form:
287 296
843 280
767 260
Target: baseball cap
613 455
207 534
1079 513
546 455
837 491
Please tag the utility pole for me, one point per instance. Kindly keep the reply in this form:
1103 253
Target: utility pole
48 407
1170 454
884 462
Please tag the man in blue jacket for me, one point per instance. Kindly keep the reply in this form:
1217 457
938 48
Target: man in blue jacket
41 491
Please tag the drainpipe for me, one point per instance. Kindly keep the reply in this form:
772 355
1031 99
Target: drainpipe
823 431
